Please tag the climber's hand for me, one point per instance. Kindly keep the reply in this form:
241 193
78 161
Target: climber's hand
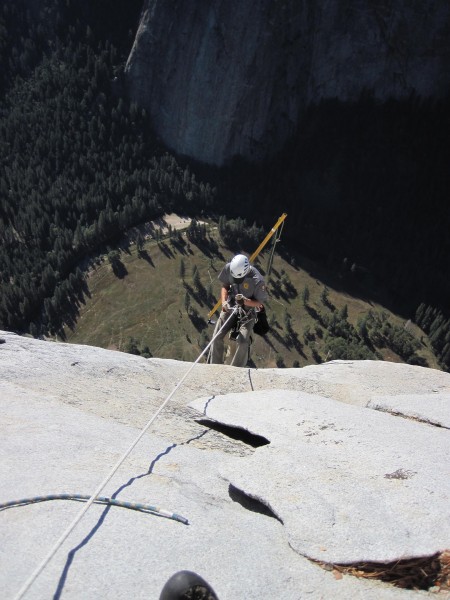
226 307
240 299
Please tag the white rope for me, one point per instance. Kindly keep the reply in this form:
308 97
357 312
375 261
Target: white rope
91 500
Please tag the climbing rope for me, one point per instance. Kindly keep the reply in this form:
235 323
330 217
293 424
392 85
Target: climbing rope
243 317
94 496
147 508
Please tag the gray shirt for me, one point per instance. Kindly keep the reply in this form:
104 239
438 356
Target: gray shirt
252 287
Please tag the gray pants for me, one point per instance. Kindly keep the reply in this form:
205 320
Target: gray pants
240 357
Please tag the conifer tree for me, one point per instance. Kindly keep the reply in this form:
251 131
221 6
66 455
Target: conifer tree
187 302
182 270
305 295
324 295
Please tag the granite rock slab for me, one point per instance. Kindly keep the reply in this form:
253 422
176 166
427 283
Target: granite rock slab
349 484
68 412
429 408
355 381
62 428
47 447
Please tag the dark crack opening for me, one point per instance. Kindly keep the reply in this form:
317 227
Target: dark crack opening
251 503
418 419
420 573
236 433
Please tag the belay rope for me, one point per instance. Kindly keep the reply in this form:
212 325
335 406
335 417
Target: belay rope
147 508
95 495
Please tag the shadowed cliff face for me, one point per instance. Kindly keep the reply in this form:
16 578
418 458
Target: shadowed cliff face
227 77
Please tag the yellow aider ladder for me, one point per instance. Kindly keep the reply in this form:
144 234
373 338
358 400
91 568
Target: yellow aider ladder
255 253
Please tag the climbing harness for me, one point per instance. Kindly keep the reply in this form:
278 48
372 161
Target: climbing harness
147 508
242 317
96 494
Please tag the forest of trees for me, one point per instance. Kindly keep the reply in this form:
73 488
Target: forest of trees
238 236
365 185
79 166
437 326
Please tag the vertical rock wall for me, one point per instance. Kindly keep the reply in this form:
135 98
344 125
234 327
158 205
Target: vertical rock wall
222 78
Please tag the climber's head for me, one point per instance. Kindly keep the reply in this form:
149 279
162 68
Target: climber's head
239 267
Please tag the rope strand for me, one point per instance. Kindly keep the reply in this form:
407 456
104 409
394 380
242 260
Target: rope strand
147 508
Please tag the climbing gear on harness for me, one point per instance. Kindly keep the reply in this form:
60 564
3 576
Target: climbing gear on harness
238 317
243 316
240 299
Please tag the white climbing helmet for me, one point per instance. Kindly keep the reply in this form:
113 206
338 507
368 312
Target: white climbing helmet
239 266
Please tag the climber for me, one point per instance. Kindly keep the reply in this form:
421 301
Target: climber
244 291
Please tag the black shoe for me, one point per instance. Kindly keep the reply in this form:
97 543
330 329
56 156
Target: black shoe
186 585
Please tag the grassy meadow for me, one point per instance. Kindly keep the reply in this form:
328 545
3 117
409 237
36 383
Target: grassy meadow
154 308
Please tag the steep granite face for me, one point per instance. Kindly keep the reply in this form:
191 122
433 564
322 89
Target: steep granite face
226 77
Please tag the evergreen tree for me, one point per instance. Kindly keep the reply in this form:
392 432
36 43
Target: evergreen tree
305 295
140 242
196 280
362 328
182 269
343 313
324 295
187 302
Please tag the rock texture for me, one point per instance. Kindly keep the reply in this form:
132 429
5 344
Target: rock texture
227 78
346 481
428 408
349 484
